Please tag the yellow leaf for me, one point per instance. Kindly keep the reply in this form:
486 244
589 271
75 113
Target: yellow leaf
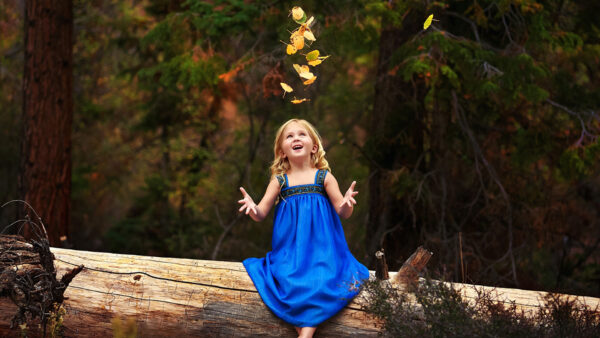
307 75
291 50
297 40
286 87
309 22
310 81
428 22
296 101
312 56
301 69
308 35
297 13
315 63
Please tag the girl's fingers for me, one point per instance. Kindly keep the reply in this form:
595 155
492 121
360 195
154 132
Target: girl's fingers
352 185
241 201
242 208
254 209
352 200
354 193
243 192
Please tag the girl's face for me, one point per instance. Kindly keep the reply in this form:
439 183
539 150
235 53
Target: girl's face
296 142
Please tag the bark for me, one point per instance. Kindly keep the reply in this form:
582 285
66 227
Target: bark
166 297
45 173
174 297
409 272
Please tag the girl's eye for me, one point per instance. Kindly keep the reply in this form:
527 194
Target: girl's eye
289 136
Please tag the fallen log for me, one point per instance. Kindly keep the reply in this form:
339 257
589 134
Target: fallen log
185 297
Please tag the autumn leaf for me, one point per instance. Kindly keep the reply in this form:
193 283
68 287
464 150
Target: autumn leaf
290 49
286 88
312 56
297 40
315 63
307 75
301 69
296 101
309 22
310 81
298 15
308 35
427 22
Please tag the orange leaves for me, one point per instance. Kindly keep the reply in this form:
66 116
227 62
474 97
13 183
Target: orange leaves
300 38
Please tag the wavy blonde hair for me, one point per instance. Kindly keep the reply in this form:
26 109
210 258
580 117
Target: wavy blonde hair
281 165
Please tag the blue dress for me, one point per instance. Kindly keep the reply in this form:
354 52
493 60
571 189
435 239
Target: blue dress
310 274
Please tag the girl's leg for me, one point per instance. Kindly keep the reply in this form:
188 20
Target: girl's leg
307 332
297 329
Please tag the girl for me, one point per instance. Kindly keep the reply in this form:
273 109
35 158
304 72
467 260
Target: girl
310 273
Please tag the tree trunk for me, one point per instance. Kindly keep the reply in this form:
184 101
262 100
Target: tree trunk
173 297
395 112
45 174
185 298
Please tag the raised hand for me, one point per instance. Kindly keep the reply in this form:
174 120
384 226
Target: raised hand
349 196
248 203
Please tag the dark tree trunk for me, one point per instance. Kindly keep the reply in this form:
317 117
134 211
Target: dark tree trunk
45 173
396 111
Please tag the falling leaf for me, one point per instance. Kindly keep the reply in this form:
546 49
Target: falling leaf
296 101
428 21
297 40
286 88
301 69
291 49
312 56
307 75
310 81
309 22
315 63
308 35
298 15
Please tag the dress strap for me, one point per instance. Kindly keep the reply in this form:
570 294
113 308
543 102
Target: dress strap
320 177
281 181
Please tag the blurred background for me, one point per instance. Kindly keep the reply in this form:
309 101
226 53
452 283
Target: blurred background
476 138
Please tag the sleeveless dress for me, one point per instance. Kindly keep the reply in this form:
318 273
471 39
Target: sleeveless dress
310 274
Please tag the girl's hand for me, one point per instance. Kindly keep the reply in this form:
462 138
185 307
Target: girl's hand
248 203
349 196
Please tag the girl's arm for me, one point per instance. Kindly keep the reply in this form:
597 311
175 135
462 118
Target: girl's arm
260 211
344 205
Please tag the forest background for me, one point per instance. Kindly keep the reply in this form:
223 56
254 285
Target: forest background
477 138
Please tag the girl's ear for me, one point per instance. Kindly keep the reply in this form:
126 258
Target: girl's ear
314 149
283 155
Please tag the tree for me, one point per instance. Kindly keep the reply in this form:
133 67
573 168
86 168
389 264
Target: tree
45 173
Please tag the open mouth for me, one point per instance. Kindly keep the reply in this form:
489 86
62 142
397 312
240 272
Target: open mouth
298 146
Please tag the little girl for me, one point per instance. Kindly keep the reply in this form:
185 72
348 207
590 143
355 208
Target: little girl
310 274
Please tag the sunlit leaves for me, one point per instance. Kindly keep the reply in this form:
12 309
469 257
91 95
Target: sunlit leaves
298 40
286 88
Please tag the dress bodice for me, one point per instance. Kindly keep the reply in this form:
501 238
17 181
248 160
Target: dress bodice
317 187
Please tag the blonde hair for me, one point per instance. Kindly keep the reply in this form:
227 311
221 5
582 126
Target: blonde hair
281 165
